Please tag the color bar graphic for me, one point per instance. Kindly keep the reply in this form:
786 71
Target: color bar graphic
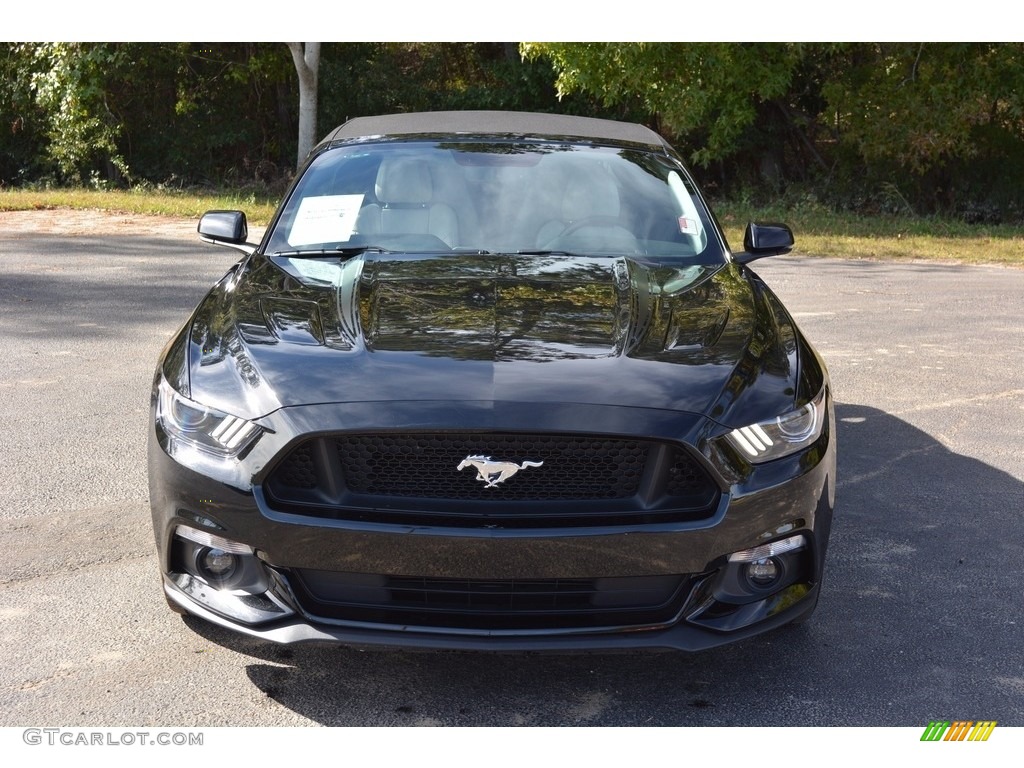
958 730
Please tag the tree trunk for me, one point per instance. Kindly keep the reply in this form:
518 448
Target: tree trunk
307 65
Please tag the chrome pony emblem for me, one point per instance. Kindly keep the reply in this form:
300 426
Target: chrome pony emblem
493 472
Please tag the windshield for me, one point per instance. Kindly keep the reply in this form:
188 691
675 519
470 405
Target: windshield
495 197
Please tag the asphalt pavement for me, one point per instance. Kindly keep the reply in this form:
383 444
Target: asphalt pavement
920 618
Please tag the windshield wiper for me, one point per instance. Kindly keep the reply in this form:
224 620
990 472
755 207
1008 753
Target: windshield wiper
353 250
534 252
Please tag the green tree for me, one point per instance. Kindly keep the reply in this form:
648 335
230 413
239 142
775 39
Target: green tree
82 130
120 112
379 78
926 126
712 87
22 146
922 104
939 124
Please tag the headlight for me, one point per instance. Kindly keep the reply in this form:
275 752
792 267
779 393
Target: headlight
782 435
205 428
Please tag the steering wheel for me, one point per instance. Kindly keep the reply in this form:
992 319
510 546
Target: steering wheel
590 221
618 238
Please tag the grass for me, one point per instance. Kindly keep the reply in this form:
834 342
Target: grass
819 232
185 204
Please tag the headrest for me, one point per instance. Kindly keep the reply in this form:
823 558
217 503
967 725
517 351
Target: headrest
404 180
590 192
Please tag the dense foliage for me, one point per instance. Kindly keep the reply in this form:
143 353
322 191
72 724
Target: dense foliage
911 127
918 127
187 113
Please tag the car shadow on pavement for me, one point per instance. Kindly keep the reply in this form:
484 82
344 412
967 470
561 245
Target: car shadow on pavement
919 618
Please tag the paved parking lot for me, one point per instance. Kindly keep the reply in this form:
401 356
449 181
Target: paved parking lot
920 616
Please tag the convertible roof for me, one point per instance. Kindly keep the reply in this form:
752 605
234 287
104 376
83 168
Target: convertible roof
482 123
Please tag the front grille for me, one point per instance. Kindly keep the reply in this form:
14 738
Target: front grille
490 604
424 466
529 480
298 470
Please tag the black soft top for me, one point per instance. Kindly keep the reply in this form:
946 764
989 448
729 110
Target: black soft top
491 123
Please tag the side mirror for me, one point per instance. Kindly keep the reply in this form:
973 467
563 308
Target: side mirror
225 228
760 240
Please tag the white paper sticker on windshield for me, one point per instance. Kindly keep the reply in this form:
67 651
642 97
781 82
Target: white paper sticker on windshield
687 226
326 219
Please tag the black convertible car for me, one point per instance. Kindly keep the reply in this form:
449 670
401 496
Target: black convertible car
492 381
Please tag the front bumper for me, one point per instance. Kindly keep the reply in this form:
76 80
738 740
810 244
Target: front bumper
679 636
791 497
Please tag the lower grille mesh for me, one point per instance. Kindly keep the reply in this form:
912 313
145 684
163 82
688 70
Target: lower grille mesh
490 604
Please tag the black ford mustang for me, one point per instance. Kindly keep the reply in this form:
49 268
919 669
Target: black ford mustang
492 381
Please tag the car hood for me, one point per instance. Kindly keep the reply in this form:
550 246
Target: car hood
282 332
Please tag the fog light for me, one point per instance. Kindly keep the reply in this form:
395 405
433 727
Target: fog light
215 564
764 572
220 562
223 576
